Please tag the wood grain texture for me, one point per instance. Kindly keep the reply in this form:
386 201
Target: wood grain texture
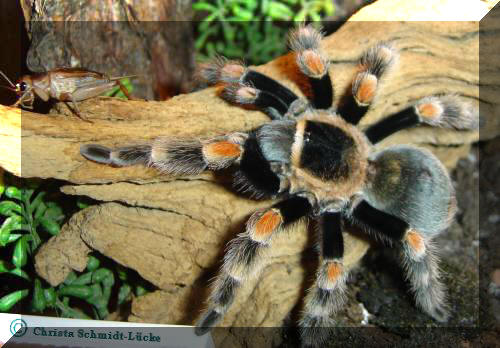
173 230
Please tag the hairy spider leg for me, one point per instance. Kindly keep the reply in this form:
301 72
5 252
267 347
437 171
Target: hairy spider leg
447 111
244 94
419 257
371 67
120 157
328 294
265 83
246 256
312 61
236 73
254 173
171 155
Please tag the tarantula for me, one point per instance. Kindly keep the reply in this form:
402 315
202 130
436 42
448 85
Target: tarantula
314 158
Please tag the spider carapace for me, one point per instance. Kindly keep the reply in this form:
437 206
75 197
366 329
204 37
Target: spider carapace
315 159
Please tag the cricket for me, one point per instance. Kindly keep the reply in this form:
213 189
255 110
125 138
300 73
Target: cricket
64 84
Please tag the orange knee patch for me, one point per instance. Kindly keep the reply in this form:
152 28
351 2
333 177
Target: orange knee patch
416 241
222 149
267 224
232 71
430 110
366 89
333 271
314 62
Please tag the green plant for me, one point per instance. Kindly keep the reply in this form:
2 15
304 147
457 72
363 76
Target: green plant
23 218
252 29
94 287
27 223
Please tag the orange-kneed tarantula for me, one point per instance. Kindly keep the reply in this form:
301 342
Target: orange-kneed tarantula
315 159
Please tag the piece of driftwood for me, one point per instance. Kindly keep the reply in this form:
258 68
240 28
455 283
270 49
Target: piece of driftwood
173 230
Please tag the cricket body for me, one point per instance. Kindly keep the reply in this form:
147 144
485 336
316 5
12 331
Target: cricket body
64 84
315 159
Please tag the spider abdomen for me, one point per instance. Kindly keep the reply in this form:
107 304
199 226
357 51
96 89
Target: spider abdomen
412 184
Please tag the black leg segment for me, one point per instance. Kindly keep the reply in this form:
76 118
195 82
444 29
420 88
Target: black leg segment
293 209
248 95
404 119
386 224
322 91
351 111
269 85
255 171
332 239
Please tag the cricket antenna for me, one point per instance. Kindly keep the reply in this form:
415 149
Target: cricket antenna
9 81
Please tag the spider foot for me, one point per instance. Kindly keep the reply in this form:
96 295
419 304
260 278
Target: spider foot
315 331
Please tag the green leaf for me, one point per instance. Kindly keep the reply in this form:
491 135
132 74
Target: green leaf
203 6
264 6
96 293
20 273
122 272
300 17
117 92
70 278
109 281
329 7
241 13
249 4
10 224
219 47
13 237
34 204
210 49
204 36
84 279
79 291
81 204
140 290
5 266
20 255
40 209
93 263
2 183
39 302
279 11
50 296
9 208
315 17
26 194
54 211
228 31
8 301
13 192
50 226
69 312
102 275
124 293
